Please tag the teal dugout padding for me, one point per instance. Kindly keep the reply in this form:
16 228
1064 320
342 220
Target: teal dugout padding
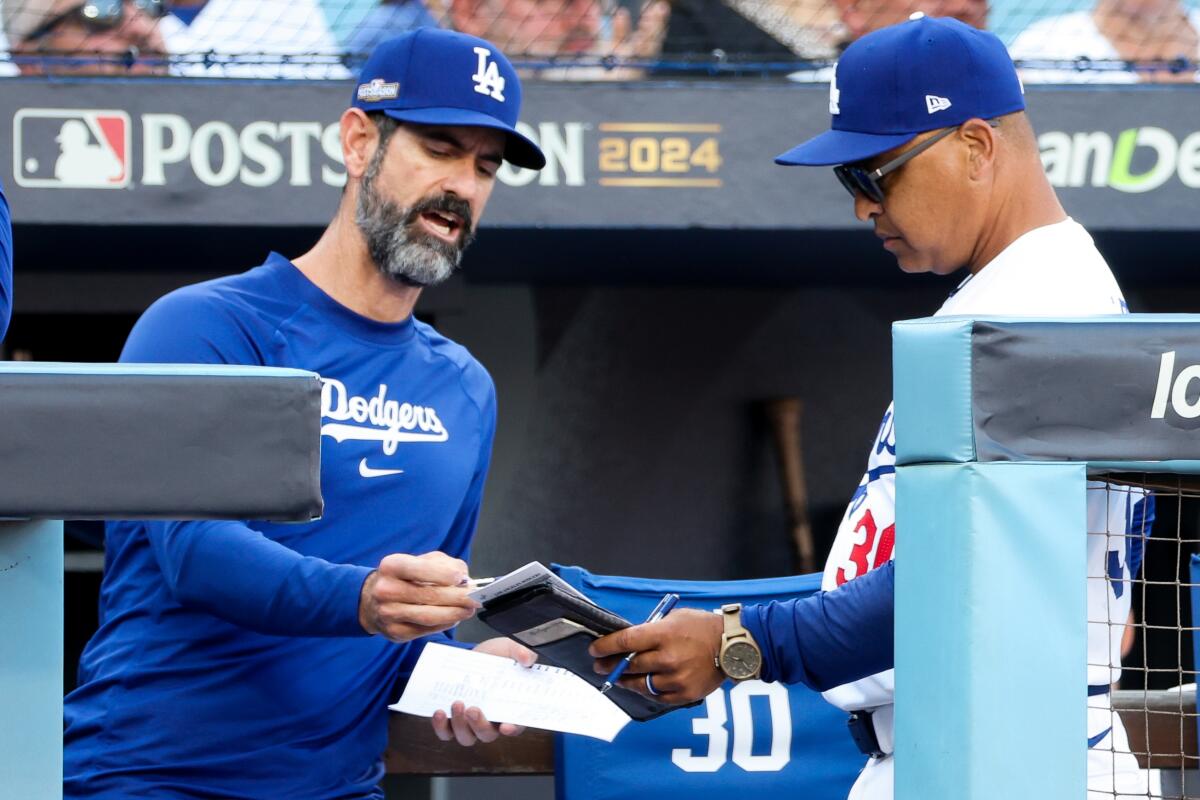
31 658
998 424
991 645
937 424
116 441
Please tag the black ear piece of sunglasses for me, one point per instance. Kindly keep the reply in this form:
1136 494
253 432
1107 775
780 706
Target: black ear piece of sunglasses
859 181
99 15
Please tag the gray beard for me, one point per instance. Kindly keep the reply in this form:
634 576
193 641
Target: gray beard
399 247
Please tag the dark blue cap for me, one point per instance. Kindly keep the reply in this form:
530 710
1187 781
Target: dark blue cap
921 75
437 77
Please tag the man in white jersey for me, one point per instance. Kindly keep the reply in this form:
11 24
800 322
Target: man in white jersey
930 137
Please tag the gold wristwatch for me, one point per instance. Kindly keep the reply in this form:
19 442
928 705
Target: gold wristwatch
740 657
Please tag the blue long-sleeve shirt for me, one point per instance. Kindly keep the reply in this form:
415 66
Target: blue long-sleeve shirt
832 638
229 660
6 264
829 638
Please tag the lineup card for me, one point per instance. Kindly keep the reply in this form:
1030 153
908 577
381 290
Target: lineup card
540 696
531 574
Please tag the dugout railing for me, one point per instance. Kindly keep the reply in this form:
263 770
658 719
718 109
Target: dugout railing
1000 425
125 441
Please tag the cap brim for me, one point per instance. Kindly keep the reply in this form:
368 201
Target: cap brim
841 147
518 150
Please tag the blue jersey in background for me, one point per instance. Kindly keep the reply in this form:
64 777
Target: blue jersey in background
751 739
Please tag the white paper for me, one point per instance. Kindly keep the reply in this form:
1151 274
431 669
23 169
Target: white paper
531 574
538 697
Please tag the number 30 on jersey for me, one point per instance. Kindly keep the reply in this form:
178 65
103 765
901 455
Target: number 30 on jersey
710 756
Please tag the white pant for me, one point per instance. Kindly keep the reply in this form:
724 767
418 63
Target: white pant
1111 769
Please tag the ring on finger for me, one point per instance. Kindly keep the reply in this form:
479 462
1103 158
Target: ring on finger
650 686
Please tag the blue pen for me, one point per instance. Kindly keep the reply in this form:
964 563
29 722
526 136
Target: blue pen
661 610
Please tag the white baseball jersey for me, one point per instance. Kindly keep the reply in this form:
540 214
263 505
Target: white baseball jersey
1052 271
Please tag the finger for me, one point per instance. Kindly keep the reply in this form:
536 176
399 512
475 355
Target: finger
441 726
525 657
460 726
635 639
508 648
424 616
434 568
663 682
400 631
508 729
484 731
387 588
672 692
652 661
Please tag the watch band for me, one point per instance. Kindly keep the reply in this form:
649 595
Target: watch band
734 633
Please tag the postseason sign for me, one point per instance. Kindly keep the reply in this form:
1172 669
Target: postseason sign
642 155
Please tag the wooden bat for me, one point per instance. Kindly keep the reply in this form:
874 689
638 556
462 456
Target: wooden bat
784 414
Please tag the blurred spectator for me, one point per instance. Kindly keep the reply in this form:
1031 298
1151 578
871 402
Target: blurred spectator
863 16
7 68
186 11
253 39
547 29
389 18
731 34
1108 38
807 28
115 34
860 17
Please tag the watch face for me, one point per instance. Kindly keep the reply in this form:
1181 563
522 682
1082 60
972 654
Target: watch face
741 660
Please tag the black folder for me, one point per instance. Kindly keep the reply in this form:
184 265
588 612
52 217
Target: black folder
560 627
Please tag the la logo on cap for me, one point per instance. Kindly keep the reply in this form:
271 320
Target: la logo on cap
487 77
834 94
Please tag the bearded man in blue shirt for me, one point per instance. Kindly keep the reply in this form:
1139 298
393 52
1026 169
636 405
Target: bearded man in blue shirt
256 660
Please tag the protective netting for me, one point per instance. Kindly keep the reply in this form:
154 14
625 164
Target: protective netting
1142 730
1120 41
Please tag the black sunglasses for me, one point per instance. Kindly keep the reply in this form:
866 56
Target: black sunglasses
859 181
99 15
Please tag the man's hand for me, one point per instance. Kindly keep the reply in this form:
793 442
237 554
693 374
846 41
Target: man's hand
469 725
412 596
678 652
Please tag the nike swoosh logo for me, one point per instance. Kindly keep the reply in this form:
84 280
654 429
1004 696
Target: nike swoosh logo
370 472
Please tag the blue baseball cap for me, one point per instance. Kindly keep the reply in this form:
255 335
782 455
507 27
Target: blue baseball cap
438 77
896 82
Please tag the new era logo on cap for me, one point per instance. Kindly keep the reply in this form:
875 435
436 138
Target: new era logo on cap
933 103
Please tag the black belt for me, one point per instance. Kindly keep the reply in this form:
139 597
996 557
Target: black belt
862 731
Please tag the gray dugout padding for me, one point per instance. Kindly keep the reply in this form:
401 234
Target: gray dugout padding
129 441
1119 392
126 441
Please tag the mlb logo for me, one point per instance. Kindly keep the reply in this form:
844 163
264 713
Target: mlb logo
66 148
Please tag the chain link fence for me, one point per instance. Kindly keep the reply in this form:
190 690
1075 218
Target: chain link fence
1110 41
